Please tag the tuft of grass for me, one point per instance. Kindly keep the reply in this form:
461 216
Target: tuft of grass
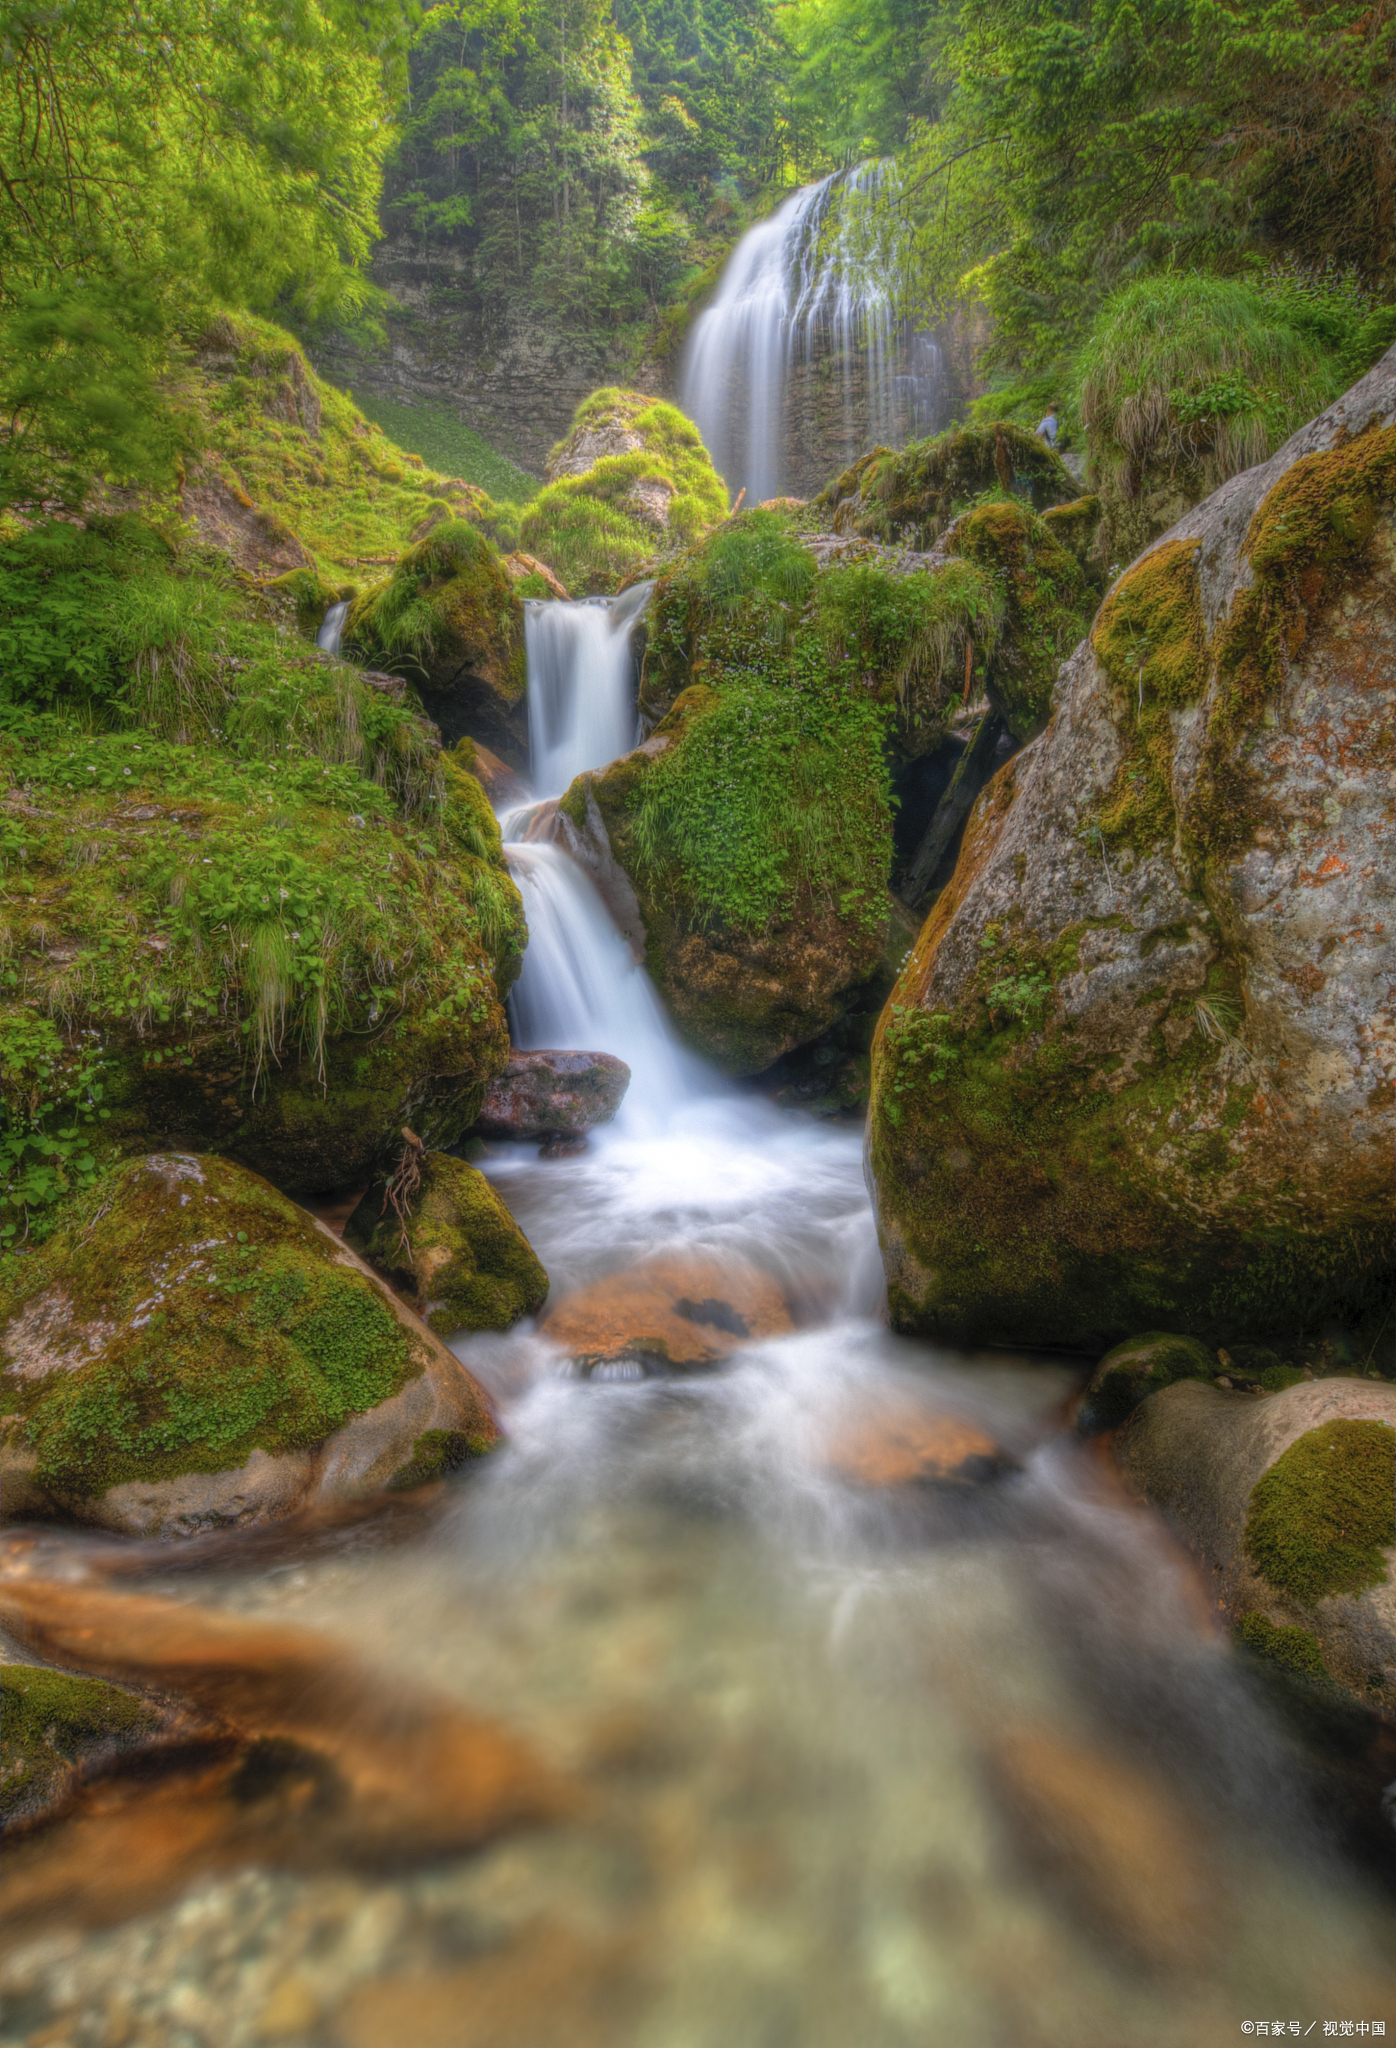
1207 374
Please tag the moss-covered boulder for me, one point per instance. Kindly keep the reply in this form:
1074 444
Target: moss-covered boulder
631 481
911 497
450 619
442 1235
1043 606
189 1349
1137 1368
282 955
1134 1073
1289 1502
52 1724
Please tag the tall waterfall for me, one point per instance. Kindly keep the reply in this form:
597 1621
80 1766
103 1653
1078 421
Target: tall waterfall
581 697
794 295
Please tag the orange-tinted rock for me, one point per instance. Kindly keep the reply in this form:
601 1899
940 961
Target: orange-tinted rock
317 1758
675 1313
903 1445
1130 1862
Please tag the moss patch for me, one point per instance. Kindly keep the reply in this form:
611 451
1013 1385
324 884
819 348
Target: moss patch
911 497
1044 607
448 612
48 1721
1139 1367
186 1315
459 1256
1293 1649
1322 1515
436 1453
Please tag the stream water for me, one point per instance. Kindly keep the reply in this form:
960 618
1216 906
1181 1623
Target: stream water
851 1764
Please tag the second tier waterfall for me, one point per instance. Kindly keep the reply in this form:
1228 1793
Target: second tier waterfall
798 295
581 685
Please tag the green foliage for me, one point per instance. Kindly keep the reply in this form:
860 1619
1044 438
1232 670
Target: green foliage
919 1051
50 1113
1023 997
1322 1515
449 446
776 795
154 163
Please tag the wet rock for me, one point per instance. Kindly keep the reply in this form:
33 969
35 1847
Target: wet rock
503 785
1134 1072
911 1445
191 1350
1126 1858
1136 1368
1287 1500
546 1094
450 612
52 1725
442 1236
670 1314
318 1759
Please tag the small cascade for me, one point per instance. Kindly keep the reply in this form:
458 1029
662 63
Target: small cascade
794 295
332 627
580 990
581 687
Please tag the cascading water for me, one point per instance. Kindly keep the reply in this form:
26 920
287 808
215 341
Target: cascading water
796 292
581 695
332 627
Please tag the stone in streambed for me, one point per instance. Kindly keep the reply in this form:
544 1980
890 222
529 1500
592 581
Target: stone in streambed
907 1445
51 1724
443 1237
553 1094
1139 1367
191 1350
1288 1501
668 1315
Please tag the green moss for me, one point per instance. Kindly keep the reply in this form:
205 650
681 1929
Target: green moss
1043 607
217 1320
1139 1367
1321 1517
1293 1649
448 609
911 497
436 1453
1150 640
49 1721
461 1257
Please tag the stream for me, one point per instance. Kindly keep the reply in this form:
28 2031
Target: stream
854 1760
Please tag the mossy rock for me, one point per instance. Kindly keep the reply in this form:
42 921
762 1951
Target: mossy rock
451 621
1044 609
1077 527
1139 1367
455 1252
50 1723
1288 1501
1088 1116
268 957
911 497
306 596
190 1348
629 483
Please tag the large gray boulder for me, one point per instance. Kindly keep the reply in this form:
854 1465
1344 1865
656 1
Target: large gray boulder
1137 1069
1199 1454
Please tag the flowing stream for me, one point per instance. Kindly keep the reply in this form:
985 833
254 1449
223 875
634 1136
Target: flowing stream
795 295
853 1761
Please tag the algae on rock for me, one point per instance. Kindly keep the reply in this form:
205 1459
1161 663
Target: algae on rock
442 1235
1130 1075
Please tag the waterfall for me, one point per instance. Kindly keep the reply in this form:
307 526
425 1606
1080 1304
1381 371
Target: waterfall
332 627
794 294
581 696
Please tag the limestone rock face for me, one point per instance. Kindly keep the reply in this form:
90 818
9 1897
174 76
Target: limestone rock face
446 1241
1137 1070
192 1351
1199 1453
543 1094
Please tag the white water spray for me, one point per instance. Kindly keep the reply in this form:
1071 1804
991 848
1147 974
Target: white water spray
332 627
581 698
793 292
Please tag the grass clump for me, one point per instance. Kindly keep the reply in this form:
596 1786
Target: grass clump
1321 1517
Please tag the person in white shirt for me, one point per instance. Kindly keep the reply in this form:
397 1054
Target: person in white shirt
1047 427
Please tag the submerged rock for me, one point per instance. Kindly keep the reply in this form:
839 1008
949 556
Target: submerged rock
191 1350
1135 1072
911 1445
548 1094
1139 1367
667 1315
1289 1501
444 1238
